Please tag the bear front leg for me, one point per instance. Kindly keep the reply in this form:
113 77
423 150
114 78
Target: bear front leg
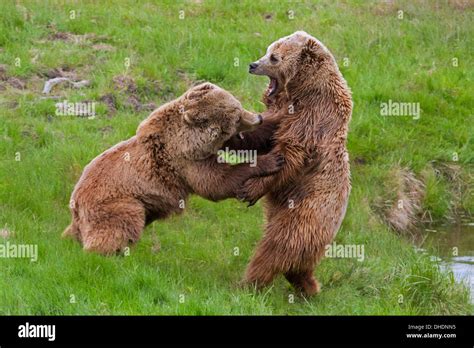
256 188
260 140
216 181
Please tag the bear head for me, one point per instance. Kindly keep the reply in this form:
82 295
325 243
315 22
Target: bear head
197 124
295 62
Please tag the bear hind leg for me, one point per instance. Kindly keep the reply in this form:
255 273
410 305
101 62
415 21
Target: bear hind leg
304 282
119 224
262 270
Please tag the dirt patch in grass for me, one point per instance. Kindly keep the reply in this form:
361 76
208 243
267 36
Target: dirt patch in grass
401 209
63 71
461 4
76 38
103 47
11 81
437 194
3 72
459 184
106 130
124 84
110 101
91 40
5 233
133 101
17 83
384 8
268 17
360 161
132 94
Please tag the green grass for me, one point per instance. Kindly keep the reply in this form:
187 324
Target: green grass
407 60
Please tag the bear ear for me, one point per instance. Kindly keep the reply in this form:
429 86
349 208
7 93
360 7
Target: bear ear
200 91
309 50
192 113
192 117
188 118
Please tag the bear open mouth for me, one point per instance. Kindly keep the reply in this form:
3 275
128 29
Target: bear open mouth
272 87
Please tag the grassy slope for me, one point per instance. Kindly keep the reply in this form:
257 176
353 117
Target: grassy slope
407 60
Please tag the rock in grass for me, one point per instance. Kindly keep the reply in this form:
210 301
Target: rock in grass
53 82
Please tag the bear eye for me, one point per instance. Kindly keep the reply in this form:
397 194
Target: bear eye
273 58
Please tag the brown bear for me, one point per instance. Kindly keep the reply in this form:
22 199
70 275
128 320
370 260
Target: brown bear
150 175
309 107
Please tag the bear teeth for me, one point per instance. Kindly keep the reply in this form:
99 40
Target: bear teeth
272 88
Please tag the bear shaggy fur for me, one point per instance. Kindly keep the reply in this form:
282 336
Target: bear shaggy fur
309 107
150 175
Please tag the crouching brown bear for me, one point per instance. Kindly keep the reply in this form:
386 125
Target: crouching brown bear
150 175
309 107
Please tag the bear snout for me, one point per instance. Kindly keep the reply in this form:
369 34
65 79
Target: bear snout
252 67
249 121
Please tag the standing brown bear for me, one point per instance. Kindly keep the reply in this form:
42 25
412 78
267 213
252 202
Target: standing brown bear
150 175
309 107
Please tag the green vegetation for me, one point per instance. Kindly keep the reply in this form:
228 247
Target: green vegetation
425 57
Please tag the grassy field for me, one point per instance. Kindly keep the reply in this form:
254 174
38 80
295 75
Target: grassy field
137 54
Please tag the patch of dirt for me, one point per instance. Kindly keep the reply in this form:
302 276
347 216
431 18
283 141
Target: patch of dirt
11 104
149 106
29 133
451 171
461 4
134 102
384 8
110 101
5 233
106 130
16 83
75 38
89 40
268 17
103 47
152 88
3 72
127 86
125 83
360 161
402 213
60 72
459 183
